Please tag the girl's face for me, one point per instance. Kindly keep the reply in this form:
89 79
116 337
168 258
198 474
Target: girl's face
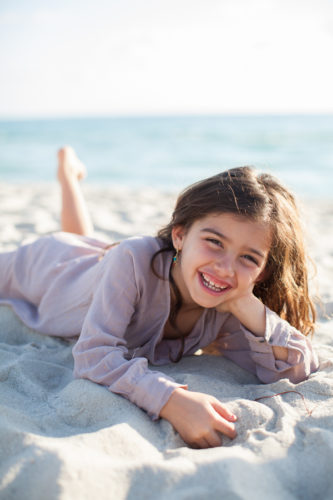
222 257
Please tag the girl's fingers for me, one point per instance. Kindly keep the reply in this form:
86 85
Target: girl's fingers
227 428
224 424
200 443
214 439
223 411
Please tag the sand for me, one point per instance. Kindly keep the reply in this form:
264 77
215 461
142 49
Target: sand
62 438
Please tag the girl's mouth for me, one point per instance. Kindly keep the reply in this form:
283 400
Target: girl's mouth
211 285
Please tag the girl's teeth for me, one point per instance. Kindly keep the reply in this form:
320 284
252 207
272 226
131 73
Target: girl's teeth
212 285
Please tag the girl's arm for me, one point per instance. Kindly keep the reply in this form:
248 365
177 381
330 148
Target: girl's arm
251 313
101 353
260 341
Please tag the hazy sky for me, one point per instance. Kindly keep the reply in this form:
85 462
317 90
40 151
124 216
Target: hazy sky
84 57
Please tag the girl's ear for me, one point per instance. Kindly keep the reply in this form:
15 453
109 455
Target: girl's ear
261 277
265 273
177 234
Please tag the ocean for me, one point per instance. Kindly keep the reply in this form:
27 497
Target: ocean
171 152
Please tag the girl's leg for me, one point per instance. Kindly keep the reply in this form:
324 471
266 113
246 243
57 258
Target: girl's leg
75 217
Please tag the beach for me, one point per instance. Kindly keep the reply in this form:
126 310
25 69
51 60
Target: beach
62 438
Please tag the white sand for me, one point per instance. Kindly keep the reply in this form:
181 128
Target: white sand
63 439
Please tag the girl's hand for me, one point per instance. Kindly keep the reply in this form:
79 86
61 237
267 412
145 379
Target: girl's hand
238 302
199 418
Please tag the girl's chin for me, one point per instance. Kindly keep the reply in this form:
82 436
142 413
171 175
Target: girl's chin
208 301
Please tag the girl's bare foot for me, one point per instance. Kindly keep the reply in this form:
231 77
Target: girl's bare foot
69 165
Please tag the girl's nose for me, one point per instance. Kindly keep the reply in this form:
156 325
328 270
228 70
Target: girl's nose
225 266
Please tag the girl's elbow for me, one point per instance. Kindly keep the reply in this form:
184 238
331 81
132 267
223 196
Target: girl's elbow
295 374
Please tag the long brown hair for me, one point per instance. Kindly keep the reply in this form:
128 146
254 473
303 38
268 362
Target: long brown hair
259 197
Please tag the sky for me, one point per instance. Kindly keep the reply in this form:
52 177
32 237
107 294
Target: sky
156 57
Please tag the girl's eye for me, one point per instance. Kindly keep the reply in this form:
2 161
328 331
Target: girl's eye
214 241
251 259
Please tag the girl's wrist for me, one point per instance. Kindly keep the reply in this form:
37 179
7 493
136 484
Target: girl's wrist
251 312
168 409
245 304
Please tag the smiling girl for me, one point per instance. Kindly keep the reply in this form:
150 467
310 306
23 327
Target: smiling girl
229 272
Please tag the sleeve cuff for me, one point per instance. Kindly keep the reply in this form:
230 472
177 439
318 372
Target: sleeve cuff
277 334
152 392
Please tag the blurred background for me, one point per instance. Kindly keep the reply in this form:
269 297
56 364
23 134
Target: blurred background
162 93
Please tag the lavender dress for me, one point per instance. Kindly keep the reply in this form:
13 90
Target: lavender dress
60 285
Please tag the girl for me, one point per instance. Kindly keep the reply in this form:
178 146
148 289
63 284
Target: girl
228 270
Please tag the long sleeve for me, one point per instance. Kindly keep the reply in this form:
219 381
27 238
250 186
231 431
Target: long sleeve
102 354
256 353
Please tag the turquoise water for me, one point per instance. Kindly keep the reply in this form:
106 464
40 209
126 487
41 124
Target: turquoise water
172 152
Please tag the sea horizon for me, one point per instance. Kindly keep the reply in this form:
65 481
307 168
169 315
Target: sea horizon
172 151
108 116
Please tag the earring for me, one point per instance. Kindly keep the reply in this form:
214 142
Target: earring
175 257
